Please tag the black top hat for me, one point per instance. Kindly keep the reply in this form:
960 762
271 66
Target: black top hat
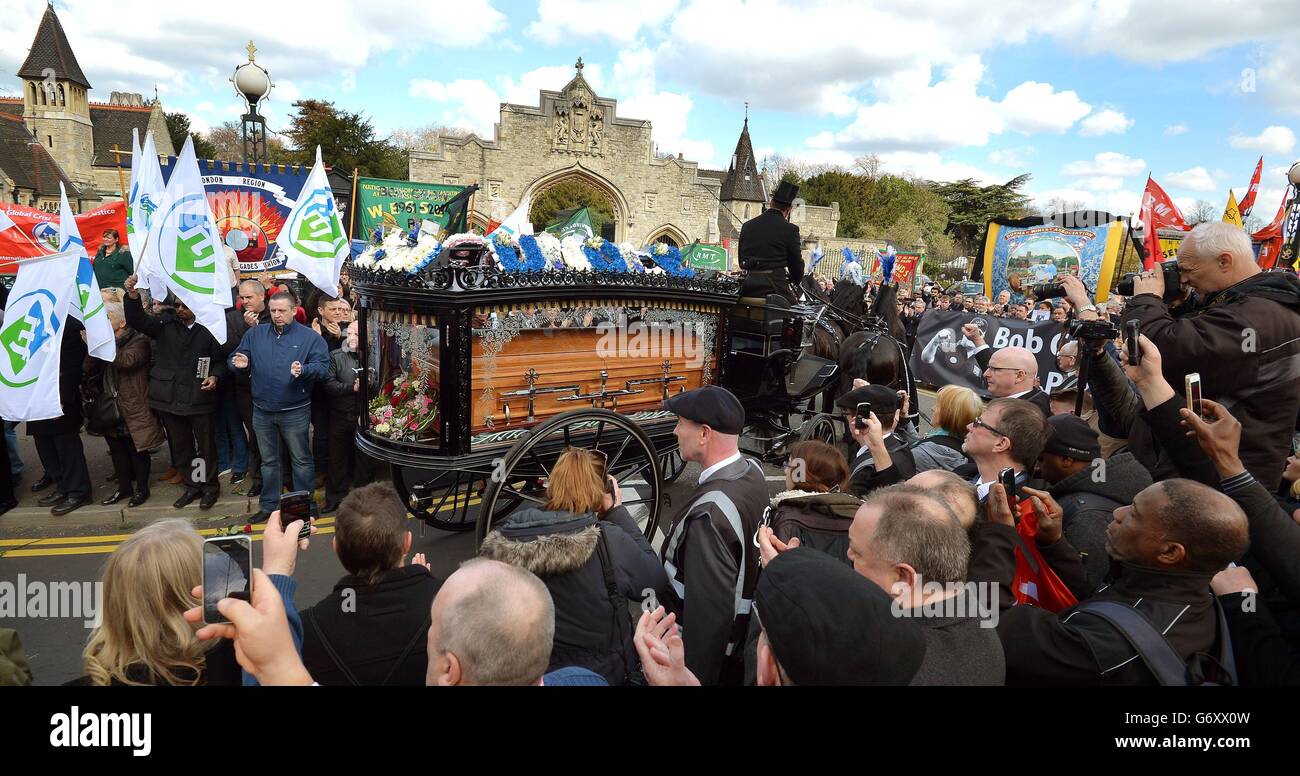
785 193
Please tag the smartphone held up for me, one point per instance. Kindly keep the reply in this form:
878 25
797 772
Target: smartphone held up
227 573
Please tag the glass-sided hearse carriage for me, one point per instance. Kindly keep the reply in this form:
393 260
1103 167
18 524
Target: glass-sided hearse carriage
477 378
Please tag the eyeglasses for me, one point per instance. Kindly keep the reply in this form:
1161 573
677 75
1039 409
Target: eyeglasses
1004 369
979 422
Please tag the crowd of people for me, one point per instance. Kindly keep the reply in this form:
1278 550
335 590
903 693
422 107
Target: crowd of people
1152 539
277 402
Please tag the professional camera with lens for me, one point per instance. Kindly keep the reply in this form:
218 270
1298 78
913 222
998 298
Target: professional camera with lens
1096 331
1047 291
1173 284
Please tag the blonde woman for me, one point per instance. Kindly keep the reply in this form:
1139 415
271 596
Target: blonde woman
954 408
149 583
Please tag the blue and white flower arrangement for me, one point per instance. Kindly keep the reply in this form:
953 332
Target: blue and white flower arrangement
669 259
528 257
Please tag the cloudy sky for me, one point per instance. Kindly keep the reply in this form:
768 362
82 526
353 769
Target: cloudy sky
1089 96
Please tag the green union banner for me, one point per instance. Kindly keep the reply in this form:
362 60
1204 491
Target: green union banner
400 204
704 256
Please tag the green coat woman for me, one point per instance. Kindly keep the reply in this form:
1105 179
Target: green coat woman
113 262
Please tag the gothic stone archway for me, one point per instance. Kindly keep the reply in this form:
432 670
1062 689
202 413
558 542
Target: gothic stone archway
605 188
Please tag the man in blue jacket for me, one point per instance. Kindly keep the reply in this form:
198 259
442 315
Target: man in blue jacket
282 358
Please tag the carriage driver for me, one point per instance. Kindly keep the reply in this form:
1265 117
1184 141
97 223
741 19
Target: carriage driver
769 248
709 554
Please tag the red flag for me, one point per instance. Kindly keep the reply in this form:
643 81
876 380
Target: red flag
1158 212
1270 237
1248 201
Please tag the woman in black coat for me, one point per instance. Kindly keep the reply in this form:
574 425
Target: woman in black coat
563 543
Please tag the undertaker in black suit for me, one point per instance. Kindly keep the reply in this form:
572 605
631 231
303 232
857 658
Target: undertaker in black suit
769 248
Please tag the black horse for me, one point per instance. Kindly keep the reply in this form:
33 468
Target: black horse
865 343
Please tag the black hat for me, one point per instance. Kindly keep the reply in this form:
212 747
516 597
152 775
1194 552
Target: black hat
785 193
884 402
715 407
1073 438
828 625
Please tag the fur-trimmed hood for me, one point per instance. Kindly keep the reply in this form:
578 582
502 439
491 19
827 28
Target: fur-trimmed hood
838 504
544 542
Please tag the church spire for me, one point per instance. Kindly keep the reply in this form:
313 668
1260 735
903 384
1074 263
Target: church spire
51 53
743 181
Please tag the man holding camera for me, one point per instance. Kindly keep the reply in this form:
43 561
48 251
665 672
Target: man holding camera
1241 333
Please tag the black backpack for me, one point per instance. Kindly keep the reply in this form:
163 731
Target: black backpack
1168 667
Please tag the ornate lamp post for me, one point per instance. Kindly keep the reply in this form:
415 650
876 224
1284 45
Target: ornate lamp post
253 83
1291 225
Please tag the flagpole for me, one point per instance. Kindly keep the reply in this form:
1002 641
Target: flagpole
117 155
352 216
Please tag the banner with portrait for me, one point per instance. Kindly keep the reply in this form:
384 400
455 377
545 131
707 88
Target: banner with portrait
942 355
1018 254
250 203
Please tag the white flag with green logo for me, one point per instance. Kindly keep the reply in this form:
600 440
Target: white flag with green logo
88 307
31 337
146 193
134 186
313 238
184 246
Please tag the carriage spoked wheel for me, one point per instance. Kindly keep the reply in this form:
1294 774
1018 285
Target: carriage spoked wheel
672 465
822 427
632 459
443 499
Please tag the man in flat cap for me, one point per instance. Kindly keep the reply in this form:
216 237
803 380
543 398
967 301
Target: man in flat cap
769 248
865 472
822 624
709 554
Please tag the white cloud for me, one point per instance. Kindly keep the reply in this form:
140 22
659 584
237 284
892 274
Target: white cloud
191 49
931 166
1117 203
1037 107
526 90
1102 183
1174 130
1195 179
467 104
1011 157
1107 163
1105 122
561 21
1273 140
1279 78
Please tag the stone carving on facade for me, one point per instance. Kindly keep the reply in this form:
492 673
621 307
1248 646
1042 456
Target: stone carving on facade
578 125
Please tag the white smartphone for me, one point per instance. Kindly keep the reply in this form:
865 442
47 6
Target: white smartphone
1193 385
227 573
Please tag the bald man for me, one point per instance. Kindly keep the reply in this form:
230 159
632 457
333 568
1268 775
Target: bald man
490 624
1011 373
1171 541
958 494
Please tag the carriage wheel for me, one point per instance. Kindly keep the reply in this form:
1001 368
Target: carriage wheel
443 499
672 465
633 461
822 427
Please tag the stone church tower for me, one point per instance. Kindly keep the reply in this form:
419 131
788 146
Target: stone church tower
56 103
743 194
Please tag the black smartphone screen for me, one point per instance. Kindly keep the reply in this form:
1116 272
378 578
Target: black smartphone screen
296 506
863 412
227 573
1008 479
1131 343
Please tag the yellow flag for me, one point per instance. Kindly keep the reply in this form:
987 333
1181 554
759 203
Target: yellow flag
1231 214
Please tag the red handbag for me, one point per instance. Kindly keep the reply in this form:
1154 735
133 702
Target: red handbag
1035 583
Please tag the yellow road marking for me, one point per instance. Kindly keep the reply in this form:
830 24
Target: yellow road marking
103 544
105 549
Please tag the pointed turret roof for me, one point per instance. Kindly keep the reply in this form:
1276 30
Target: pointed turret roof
743 181
51 51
